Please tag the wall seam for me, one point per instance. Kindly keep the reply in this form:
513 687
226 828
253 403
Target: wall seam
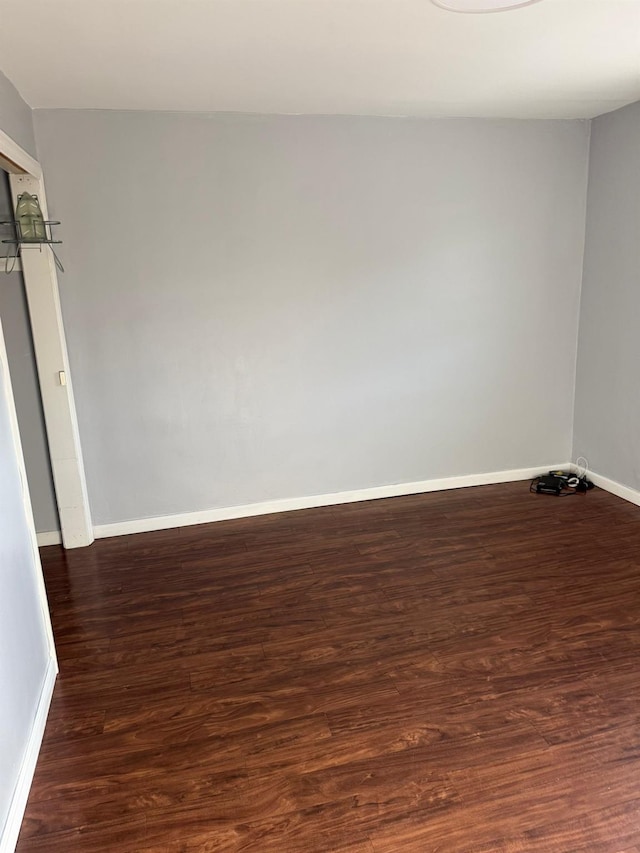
580 294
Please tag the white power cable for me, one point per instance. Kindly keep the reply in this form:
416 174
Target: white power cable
584 466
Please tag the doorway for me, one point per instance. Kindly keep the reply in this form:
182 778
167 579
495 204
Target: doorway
14 315
38 347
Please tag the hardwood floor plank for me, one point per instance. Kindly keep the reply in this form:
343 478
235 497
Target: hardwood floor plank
454 672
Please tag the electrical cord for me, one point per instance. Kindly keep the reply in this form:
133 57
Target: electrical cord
563 494
585 466
561 483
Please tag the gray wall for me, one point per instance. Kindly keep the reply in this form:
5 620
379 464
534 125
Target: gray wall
24 650
607 414
24 378
270 307
15 116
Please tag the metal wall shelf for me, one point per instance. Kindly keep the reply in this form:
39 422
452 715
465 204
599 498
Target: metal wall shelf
20 241
16 263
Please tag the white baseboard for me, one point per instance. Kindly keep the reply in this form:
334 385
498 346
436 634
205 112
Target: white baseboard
624 492
9 837
165 522
50 537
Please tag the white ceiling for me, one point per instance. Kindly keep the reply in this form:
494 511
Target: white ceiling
557 58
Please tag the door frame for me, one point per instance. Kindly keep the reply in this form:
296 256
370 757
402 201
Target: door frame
52 360
9 834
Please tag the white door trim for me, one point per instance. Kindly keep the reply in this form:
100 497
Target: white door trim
41 284
9 833
26 499
15 159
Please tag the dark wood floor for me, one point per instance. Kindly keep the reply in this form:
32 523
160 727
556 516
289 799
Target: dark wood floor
450 672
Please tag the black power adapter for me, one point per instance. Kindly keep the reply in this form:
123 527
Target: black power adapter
550 485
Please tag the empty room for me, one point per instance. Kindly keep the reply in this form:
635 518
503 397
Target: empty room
319 426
